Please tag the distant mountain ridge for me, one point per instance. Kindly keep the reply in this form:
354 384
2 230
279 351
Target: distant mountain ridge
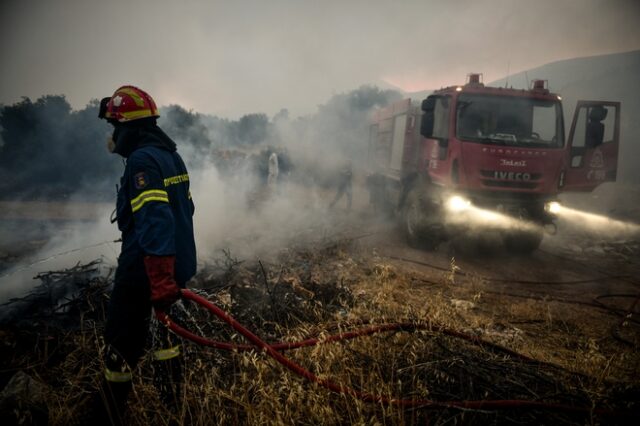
564 74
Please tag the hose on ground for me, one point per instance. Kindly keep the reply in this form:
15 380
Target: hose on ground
271 350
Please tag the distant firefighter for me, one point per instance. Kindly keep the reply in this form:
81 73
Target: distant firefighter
272 177
345 178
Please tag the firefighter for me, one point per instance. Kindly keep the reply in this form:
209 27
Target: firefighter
345 178
154 212
272 177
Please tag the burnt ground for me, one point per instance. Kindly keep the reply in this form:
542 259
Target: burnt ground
572 307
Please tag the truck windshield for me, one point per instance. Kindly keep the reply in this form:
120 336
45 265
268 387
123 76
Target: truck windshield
509 120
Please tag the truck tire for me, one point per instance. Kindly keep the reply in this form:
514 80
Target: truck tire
477 243
523 242
419 223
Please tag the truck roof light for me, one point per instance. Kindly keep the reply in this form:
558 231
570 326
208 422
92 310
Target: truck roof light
540 86
474 79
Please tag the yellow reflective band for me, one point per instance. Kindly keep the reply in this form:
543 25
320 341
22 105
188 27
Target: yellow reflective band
173 180
134 95
166 354
117 376
146 196
132 115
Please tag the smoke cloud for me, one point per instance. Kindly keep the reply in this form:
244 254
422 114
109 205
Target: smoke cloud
69 243
227 160
237 210
230 58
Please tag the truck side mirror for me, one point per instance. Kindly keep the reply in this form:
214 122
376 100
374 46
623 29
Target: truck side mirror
426 125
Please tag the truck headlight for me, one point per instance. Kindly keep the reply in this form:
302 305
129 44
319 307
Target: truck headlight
552 207
457 204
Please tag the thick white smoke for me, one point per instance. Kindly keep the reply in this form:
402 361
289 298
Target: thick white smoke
240 211
71 243
235 210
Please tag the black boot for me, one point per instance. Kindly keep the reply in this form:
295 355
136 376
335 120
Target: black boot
167 378
109 403
168 362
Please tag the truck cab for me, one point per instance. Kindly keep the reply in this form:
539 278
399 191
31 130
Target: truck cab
499 149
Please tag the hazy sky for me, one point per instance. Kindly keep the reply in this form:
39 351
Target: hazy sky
234 57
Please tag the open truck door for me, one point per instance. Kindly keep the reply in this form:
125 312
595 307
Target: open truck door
593 146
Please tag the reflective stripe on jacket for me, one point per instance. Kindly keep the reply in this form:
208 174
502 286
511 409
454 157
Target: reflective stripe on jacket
155 211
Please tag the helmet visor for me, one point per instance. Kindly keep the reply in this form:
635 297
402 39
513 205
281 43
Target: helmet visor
103 108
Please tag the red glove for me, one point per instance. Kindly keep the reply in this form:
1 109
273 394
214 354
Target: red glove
161 273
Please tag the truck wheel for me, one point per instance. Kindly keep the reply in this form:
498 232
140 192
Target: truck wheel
524 242
477 243
416 224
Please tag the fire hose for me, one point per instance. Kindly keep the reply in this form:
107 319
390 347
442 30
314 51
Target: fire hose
273 351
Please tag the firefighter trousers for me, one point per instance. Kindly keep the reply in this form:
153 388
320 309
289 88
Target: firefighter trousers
127 334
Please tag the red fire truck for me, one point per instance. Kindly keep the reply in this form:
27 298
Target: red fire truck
474 152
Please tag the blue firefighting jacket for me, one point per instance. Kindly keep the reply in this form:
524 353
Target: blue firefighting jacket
154 206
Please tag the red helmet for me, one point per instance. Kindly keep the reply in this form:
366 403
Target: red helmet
128 103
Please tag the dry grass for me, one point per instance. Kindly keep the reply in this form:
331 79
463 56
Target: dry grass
324 292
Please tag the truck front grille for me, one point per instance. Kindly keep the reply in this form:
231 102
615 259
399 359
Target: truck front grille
509 184
504 179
